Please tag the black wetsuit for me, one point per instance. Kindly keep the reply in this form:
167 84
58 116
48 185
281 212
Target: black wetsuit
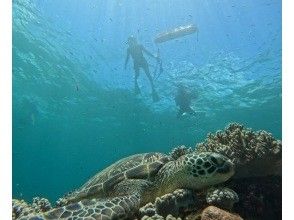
183 99
136 53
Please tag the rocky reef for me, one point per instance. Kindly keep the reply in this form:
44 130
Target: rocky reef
254 192
214 213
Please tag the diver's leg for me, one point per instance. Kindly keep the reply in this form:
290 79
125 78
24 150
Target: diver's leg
147 72
137 72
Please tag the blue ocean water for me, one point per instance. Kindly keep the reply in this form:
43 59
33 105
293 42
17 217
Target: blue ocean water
74 108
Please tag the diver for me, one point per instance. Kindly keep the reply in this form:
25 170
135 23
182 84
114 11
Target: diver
136 51
183 99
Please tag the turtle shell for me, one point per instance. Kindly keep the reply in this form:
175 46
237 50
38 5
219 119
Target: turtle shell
138 166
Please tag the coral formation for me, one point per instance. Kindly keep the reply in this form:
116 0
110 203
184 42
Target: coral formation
159 217
259 197
180 151
175 203
170 217
154 217
148 210
182 202
224 198
254 153
257 180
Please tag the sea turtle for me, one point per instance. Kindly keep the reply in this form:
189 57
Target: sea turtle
120 190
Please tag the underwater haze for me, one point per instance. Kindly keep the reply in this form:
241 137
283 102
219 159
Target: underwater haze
74 107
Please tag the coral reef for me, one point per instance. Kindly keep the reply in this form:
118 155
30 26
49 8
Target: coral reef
254 153
159 217
176 203
254 192
148 210
188 204
224 198
154 217
180 151
259 197
257 180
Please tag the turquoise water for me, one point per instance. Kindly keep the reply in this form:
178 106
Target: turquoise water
74 109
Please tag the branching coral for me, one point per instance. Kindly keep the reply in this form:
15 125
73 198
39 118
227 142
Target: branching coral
180 151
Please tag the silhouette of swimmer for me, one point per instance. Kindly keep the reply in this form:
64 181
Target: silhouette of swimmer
135 50
183 100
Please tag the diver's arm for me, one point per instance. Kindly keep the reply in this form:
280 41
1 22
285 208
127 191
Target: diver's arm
147 52
127 58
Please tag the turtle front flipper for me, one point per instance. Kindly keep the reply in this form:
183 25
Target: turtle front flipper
122 207
222 197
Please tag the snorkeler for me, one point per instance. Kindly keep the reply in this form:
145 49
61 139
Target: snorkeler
136 51
183 99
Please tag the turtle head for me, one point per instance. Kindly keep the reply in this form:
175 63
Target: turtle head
200 170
